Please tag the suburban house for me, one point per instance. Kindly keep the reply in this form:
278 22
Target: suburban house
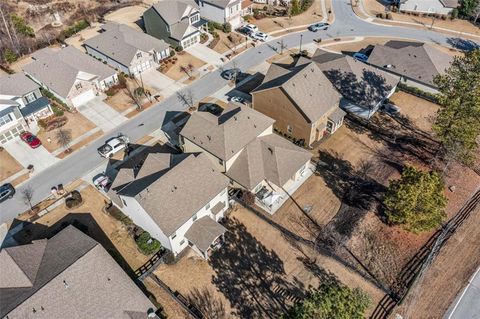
21 103
177 198
301 99
364 87
67 276
177 22
222 11
416 63
247 7
70 75
240 143
444 7
127 50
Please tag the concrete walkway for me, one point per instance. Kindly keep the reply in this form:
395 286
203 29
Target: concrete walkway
39 157
101 114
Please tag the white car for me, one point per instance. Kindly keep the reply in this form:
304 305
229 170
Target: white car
251 27
113 146
238 99
259 36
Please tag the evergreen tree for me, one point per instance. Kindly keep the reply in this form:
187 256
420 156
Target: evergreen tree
416 200
457 124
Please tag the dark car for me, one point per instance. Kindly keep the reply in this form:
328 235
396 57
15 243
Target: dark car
30 139
6 191
231 74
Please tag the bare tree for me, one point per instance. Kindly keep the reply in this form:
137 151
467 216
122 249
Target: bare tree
186 98
64 138
27 195
131 94
282 45
187 69
210 306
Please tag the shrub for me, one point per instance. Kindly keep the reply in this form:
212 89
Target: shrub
21 26
179 48
455 13
57 111
172 53
10 56
227 27
79 26
116 213
55 123
146 244
74 199
247 17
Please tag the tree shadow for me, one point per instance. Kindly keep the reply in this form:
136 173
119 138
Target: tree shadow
354 187
251 276
463 44
206 302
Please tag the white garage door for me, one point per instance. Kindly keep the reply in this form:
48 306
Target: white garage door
83 98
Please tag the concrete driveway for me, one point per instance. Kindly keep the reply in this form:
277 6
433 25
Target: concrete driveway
39 157
101 114
160 83
206 54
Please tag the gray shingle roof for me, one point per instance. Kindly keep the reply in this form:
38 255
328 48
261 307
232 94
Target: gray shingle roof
172 11
17 84
306 86
172 195
203 232
225 135
58 70
358 82
420 62
269 157
71 275
220 3
121 43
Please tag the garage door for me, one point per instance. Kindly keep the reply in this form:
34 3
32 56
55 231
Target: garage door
11 134
83 98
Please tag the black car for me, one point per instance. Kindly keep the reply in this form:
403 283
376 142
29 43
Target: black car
231 74
6 191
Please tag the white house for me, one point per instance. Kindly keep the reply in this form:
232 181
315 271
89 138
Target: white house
21 103
241 144
70 75
444 7
127 50
177 198
222 11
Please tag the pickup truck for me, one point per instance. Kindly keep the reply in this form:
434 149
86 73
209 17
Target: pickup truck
113 145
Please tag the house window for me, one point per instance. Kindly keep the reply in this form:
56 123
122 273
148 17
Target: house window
173 236
30 97
194 18
289 129
78 86
231 10
5 119
194 218
208 206
139 55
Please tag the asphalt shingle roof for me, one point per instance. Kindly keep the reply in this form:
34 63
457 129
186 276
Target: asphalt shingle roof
17 84
71 275
58 70
203 232
172 11
418 61
121 43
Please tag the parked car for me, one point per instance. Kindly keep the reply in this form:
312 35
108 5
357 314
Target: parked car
251 27
211 108
238 99
318 27
113 146
244 30
102 182
30 139
259 36
231 74
360 57
390 108
6 191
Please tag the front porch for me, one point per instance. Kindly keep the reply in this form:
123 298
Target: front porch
271 197
205 235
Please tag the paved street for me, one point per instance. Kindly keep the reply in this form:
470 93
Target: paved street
86 159
467 304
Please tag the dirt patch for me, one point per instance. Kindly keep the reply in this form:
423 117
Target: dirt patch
312 15
259 270
183 59
224 43
131 16
120 101
77 124
9 166
78 39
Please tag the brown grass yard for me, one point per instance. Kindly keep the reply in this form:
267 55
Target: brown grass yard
223 44
81 144
77 124
183 59
8 165
259 270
